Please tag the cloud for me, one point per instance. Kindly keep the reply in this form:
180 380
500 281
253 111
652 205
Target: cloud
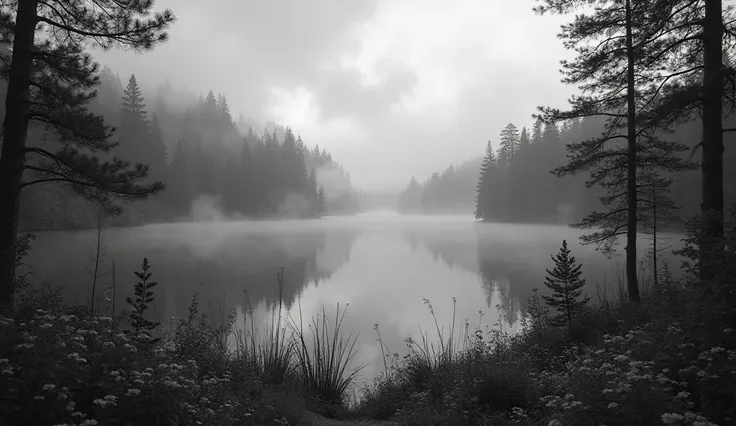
344 93
393 88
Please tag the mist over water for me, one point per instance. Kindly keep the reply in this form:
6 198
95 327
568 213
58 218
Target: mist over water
382 264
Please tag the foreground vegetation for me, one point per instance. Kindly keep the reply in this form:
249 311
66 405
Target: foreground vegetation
68 364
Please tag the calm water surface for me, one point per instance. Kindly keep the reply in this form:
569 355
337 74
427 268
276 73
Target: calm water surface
383 265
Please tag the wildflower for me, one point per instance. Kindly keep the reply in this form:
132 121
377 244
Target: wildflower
172 384
39 398
671 418
48 387
24 346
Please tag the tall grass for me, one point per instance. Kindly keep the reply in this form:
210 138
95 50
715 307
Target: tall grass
325 365
321 359
270 353
428 356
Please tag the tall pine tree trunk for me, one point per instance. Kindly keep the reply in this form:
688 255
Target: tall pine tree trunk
12 157
631 278
712 164
654 233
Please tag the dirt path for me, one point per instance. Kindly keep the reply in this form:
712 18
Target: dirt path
312 419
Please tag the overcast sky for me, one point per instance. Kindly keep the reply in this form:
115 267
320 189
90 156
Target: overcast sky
392 88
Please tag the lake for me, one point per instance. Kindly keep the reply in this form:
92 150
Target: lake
383 265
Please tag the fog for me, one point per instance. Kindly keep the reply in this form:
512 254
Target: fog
388 99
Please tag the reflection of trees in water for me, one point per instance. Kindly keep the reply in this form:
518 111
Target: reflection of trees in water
413 237
226 272
451 248
509 259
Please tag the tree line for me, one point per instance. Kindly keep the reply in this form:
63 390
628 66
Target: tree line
201 151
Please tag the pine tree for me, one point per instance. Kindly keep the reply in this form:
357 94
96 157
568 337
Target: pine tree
321 202
65 77
409 200
567 285
248 201
509 144
537 131
614 38
657 211
698 82
313 195
181 186
521 181
140 140
143 298
484 202
157 149
524 141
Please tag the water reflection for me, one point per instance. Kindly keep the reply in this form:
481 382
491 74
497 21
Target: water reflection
228 265
383 266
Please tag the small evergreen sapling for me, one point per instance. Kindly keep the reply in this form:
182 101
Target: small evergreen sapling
143 297
566 283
